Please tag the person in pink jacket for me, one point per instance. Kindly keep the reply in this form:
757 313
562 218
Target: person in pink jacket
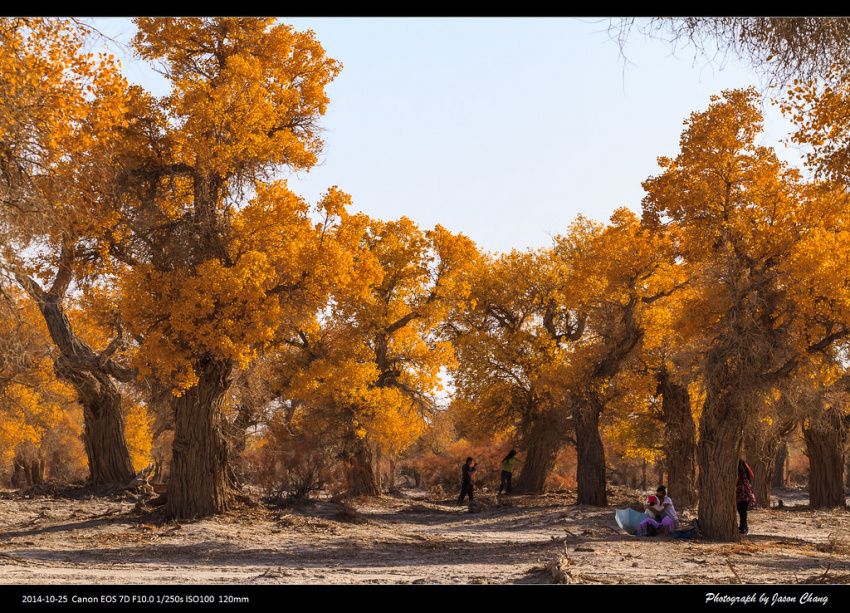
744 495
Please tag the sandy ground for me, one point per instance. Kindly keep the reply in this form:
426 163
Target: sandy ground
409 539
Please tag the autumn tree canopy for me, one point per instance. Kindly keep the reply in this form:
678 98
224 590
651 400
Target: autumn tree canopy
216 247
155 239
366 373
53 205
744 221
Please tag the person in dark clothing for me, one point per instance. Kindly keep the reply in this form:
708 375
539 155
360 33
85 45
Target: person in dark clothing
744 495
466 486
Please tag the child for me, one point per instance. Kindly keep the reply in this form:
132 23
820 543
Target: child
652 508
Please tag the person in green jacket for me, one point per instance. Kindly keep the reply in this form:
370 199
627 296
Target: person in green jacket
508 471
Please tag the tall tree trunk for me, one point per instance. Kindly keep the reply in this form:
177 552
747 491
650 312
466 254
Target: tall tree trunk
590 455
391 486
378 457
826 435
679 440
541 444
590 452
357 455
198 484
103 421
780 465
761 444
91 376
761 457
718 452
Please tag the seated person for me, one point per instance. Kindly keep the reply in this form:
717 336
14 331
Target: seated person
652 508
651 527
660 513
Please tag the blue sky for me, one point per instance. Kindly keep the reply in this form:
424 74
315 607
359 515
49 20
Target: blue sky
503 129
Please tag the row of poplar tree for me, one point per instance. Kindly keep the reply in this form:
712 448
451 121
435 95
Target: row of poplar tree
724 307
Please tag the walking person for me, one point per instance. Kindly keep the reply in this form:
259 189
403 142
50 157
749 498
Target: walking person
508 471
744 495
466 486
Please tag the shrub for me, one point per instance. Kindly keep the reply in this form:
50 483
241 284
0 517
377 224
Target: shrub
442 472
287 471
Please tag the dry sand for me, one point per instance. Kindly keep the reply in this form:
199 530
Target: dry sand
416 538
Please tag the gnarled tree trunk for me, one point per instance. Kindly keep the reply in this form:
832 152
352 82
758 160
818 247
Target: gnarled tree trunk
103 419
718 452
588 405
91 376
590 455
679 440
780 465
357 455
198 484
825 434
541 445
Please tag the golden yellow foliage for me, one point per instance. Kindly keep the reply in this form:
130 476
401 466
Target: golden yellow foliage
244 90
371 364
37 412
138 423
228 252
766 252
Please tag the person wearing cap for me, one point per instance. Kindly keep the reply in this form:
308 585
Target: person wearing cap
652 508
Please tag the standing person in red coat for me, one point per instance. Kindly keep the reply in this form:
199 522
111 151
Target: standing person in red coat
744 495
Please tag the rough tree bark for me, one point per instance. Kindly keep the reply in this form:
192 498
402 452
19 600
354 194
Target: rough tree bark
761 445
590 455
721 434
740 366
357 455
541 444
198 484
679 440
199 478
825 434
